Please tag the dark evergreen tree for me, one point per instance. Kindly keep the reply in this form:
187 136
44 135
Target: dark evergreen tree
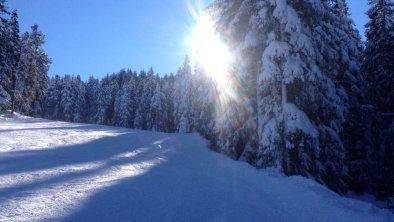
91 99
13 56
378 66
168 104
67 98
156 109
288 94
78 91
124 100
32 72
143 114
5 97
52 99
106 99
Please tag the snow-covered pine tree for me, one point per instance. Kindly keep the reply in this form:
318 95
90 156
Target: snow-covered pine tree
32 72
67 99
183 98
142 118
5 97
237 117
299 109
378 66
106 98
168 103
156 109
79 93
123 101
204 92
378 57
138 117
52 98
149 90
91 104
13 55
346 50
133 85
177 98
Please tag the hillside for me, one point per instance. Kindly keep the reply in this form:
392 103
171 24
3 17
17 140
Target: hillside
57 171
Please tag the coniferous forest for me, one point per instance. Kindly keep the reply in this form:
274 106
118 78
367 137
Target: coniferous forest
305 93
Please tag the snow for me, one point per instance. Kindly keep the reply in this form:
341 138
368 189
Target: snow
296 119
57 171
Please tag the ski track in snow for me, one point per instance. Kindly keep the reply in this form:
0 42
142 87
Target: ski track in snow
57 171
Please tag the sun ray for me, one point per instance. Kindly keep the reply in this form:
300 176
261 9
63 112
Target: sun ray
208 50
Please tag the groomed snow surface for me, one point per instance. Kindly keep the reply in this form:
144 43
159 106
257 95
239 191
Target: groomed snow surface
56 171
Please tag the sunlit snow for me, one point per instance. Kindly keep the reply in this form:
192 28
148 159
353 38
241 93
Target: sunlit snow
56 171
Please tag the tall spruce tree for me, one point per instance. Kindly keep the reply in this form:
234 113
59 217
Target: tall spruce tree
378 66
13 56
52 98
156 106
32 72
4 80
91 104
300 108
123 102
168 103
341 56
79 92
204 108
182 98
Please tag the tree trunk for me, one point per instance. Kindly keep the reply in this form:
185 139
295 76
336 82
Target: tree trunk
13 94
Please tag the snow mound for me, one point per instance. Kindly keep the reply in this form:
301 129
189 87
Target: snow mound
57 171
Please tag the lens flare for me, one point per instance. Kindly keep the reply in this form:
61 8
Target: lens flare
207 48
209 51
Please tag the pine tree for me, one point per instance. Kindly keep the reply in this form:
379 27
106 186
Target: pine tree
297 105
346 51
138 117
183 98
204 103
123 101
32 72
13 55
237 122
91 104
23 66
67 99
156 109
378 66
143 115
168 103
106 99
78 91
4 79
52 98
378 57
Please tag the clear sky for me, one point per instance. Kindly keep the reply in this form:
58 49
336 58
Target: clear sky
96 37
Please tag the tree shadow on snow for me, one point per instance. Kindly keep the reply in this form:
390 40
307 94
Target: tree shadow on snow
107 153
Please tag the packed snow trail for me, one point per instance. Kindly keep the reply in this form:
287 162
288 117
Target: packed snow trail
56 171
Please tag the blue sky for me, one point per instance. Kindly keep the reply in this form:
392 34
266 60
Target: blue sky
96 37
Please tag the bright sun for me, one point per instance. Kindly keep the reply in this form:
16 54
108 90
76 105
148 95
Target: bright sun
209 51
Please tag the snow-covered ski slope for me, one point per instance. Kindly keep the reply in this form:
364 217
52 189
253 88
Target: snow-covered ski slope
56 171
